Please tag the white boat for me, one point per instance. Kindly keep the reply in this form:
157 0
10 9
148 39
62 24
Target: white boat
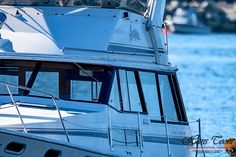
83 78
185 21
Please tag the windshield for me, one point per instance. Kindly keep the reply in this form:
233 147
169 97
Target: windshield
134 5
62 80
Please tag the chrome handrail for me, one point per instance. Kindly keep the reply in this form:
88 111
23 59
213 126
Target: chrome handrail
110 129
167 136
17 109
7 85
199 139
140 133
61 119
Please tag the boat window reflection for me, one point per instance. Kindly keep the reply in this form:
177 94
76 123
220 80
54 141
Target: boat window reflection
114 96
8 75
129 90
85 90
69 81
167 98
149 87
45 81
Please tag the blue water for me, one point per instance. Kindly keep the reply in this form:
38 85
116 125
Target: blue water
207 76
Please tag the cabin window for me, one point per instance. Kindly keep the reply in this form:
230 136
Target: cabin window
179 102
47 82
114 96
70 81
8 75
86 84
167 98
149 87
85 90
129 90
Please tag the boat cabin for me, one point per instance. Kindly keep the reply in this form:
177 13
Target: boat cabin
125 89
89 75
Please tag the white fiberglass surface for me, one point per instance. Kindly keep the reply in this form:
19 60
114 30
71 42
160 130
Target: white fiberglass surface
135 5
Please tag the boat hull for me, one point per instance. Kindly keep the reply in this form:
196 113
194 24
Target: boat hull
191 29
14 143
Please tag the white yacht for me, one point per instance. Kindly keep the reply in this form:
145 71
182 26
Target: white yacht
185 21
88 78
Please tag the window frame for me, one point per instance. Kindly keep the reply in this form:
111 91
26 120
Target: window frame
175 91
139 89
177 98
46 66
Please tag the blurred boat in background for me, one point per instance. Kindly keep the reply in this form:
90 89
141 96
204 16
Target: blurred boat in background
185 21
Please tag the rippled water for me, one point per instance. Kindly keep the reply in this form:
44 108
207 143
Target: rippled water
207 76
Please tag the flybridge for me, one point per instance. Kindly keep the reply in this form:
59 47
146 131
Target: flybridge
98 29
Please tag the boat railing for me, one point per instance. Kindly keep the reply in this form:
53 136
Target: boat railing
137 127
8 85
199 140
199 135
167 119
167 135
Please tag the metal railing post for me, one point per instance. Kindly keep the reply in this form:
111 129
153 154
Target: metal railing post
200 139
62 123
17 109
110 129
140 135
167 136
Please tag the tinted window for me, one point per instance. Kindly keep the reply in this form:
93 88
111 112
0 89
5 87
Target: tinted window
124 90
47 82
149 87
63 80
11 80
114 96
167 98
85 90
133 92
129 90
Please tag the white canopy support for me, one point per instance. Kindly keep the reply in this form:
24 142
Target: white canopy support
155 14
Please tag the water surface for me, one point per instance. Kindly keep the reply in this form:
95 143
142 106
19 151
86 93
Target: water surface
207 76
